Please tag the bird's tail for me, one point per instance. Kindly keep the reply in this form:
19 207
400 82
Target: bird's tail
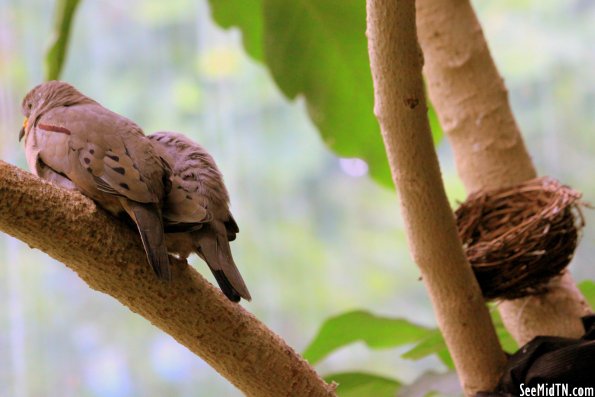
150 227
214 249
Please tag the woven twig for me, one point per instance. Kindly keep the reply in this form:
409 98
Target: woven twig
518 238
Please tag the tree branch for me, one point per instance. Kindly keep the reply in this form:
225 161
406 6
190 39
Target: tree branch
109 257
472 104
431 231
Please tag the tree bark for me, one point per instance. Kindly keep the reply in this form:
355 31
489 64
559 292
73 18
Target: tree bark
472 104
433 240
108 256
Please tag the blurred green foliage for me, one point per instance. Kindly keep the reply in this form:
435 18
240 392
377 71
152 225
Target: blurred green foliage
387 333
317 239
587 287
375 331
56 53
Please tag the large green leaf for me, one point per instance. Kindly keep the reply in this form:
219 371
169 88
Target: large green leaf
247 15
56 53
358 384
375 331
318 49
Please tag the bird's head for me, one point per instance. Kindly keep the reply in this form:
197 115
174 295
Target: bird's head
46 96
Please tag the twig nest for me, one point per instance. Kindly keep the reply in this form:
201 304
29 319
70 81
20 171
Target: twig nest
518 238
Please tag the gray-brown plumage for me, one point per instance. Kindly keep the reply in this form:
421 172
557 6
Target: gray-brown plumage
196 211
73 141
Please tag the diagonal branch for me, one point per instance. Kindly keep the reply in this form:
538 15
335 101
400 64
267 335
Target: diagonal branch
109 257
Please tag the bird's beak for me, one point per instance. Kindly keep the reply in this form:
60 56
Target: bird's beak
22 133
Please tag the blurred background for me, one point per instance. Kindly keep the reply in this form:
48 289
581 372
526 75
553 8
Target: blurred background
318 236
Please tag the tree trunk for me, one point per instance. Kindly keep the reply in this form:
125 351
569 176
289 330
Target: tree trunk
431 231
109 257
472 104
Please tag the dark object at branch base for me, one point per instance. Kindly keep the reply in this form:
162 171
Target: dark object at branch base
549 361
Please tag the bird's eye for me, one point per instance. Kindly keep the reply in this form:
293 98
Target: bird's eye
29 105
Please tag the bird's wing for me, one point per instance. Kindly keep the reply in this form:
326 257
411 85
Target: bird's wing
98 143
185 205
150 227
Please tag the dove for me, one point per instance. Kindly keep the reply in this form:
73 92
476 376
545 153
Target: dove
74 142
196 211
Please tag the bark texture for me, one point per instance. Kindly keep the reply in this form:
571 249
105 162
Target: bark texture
108 255
431 231
472 104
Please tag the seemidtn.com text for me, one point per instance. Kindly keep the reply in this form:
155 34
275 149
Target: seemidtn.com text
556 390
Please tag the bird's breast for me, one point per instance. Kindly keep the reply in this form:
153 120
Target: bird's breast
53 147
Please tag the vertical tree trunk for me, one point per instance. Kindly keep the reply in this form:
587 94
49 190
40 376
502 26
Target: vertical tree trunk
431 232
472 104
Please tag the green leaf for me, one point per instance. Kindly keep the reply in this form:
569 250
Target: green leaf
247 15
379 332
376 331
56 53
587 288
357 384
318 49
432 343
